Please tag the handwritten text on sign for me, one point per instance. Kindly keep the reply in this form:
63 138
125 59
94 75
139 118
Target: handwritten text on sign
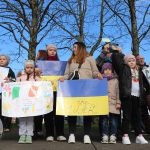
146 71
82 106
22 99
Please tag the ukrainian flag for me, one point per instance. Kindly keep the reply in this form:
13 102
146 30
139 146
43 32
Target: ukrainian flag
52 70
82 97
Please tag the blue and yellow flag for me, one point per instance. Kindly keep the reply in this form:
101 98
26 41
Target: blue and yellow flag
52 70
82 97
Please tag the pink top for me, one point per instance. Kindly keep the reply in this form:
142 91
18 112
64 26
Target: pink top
23 77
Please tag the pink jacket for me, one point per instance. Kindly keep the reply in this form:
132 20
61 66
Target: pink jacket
23 77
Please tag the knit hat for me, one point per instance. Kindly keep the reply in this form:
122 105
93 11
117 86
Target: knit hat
106 66
51 46
7 57
29 62
127 57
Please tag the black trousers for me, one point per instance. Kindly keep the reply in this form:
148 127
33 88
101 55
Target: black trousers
87 120
54 124
5 120
145 106
131 111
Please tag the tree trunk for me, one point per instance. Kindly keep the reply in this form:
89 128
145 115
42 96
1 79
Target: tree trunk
32 50
134 30
33 30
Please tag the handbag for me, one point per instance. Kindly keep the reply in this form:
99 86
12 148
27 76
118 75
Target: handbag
75 74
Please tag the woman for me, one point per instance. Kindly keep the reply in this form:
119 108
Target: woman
87 70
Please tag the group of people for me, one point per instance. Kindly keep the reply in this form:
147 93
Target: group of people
128 90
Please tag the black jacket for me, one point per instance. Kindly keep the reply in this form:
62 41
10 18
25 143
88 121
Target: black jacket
11 75
124 73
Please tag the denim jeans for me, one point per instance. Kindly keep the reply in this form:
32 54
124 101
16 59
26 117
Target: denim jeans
109 124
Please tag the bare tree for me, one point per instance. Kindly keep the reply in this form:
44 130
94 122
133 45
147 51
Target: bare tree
28 21
138 27
82 20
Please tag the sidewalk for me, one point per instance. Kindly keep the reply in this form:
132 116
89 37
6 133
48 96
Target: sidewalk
10 139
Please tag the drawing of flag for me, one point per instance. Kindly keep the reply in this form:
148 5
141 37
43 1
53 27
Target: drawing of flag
52 70
82 97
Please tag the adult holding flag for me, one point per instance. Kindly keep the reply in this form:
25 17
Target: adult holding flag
80 62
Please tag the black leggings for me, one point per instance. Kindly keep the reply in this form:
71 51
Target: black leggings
87 120
52 121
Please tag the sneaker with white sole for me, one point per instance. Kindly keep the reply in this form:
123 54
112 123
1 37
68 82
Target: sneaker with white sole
22 139
50 139
104 139
87 139
112 139
71 139
28 139
141 140
126 140
61 138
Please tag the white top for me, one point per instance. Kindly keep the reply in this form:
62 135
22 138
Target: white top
135 89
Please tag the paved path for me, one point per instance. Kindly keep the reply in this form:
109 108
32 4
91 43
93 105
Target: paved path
9 142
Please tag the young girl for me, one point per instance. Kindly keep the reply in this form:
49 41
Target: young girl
88 70
109 123
52 121
131 92
4 61
26 123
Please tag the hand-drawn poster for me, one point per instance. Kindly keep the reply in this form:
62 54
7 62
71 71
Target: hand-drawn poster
3 74
29 98
82 97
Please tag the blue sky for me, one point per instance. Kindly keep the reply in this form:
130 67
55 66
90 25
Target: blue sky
9 46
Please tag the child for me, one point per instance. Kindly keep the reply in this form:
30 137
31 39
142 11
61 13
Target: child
131 92
109 123
4 61
26 123
52 121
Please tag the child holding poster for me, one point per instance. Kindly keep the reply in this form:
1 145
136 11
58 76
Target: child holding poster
26 123
54 124
6 75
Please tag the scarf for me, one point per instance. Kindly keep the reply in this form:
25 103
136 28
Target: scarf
53 58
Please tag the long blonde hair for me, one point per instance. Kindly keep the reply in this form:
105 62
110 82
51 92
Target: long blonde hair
82 53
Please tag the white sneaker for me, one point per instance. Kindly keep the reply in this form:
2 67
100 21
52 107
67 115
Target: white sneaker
141 140
104 139
112 139
50 139
61 138
126 140
86 139
71 138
